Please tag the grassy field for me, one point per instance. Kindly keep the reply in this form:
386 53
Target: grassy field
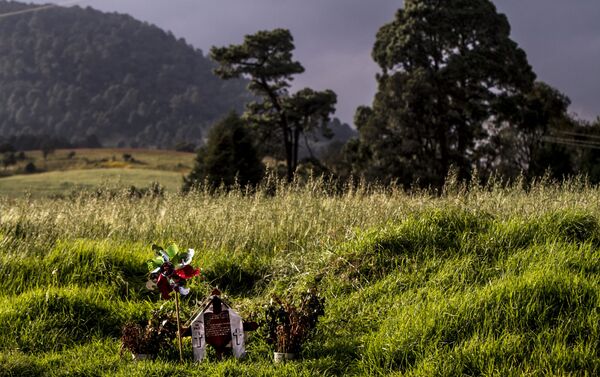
70 170
58 183
488 281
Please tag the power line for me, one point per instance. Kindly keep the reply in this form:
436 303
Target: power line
571 142
40 8
581 141
571 133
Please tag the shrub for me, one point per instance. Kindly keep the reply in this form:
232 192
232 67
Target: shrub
290 326
155 336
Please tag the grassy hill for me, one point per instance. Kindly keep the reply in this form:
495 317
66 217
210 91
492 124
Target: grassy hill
486 281
72 170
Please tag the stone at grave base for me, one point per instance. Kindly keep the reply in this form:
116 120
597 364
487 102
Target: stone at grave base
282 357
141 356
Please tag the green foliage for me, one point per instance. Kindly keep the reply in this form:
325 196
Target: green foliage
84 263
448 69
229 158
73 73
458 311
272 51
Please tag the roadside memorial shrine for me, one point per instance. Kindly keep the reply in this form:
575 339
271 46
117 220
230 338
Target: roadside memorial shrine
169 271
219 326
214 324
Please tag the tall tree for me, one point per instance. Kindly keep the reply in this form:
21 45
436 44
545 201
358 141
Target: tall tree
229 157
308 111
265 58
448 68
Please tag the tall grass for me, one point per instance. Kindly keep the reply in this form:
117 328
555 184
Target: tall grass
479 280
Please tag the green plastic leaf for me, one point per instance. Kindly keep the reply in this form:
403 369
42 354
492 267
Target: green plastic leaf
172 250
154 263
174 254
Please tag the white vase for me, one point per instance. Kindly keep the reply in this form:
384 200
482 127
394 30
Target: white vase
282 357
141 356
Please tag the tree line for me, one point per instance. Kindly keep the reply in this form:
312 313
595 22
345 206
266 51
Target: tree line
455 93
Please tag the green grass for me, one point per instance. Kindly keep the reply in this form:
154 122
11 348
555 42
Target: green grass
73 181
489 281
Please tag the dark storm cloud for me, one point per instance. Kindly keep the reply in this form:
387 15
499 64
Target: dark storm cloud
334 38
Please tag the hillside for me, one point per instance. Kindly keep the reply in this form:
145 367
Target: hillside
491 281
87 76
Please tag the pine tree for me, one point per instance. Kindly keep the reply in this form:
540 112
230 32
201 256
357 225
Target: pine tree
449 68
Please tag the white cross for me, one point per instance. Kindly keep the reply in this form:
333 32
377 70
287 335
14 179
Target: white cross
237 333
198 335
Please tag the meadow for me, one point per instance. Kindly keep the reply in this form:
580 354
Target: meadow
485 280
66 171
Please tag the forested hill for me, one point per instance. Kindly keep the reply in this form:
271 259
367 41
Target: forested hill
79 73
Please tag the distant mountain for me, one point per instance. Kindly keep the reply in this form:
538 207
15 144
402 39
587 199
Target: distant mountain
321 146
76 74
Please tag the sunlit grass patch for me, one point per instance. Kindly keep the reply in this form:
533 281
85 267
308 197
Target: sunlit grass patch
81 261
55 318
540 301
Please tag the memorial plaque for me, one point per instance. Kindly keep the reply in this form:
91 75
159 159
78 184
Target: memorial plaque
217 328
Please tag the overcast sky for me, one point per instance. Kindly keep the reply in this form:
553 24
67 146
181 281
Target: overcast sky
334 38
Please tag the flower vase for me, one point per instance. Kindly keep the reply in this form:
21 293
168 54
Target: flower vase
141 356
282 357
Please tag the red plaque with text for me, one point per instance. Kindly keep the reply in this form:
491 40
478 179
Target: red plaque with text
217 328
